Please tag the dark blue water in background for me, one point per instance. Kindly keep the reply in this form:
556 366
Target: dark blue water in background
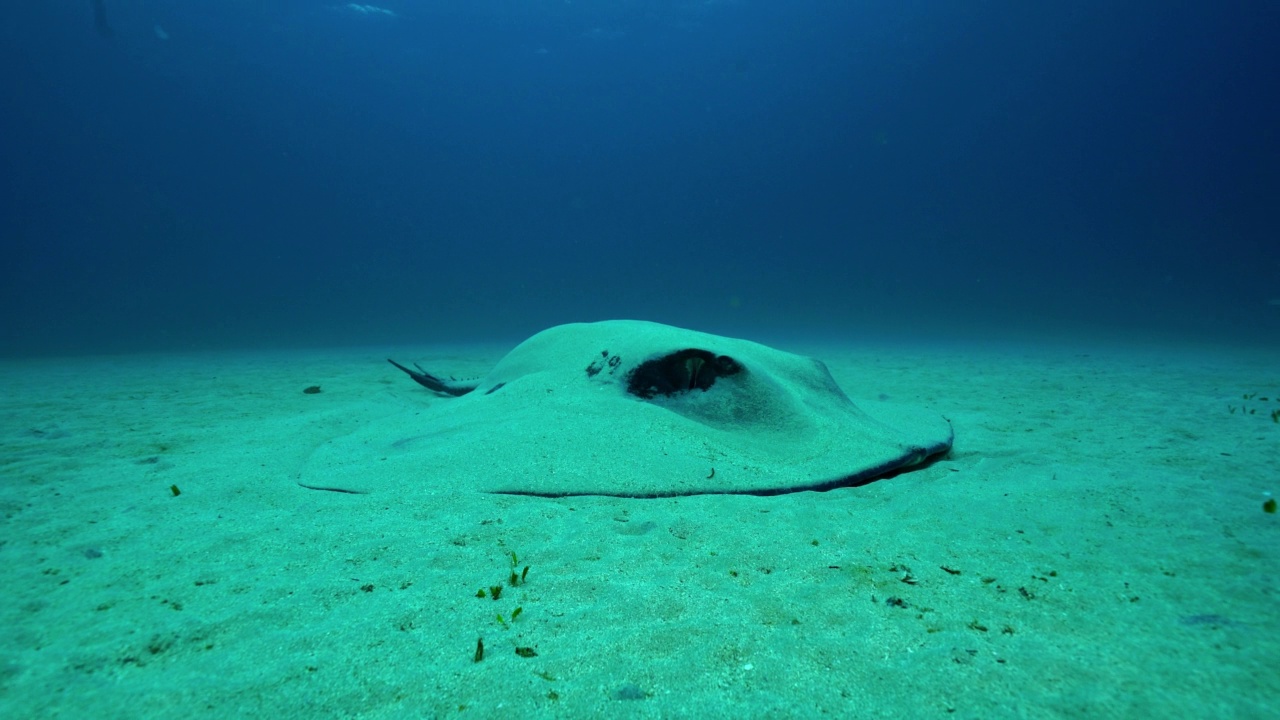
286 173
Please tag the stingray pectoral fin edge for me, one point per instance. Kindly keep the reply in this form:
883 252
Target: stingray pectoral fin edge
916 458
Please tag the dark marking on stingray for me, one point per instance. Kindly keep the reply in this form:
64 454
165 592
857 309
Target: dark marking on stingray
606 360
333 489
680 371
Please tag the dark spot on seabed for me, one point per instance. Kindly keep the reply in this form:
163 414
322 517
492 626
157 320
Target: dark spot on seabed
344 491
1208 619
630 691
49 432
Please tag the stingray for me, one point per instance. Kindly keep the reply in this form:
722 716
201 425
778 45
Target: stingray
632 409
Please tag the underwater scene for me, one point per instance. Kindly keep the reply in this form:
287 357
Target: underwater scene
640 359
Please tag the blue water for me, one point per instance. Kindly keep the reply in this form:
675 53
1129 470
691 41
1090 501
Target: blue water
305 172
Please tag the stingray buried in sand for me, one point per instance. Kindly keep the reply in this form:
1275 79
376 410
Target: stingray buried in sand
633 409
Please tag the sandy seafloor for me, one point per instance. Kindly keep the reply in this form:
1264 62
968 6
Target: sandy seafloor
1094 546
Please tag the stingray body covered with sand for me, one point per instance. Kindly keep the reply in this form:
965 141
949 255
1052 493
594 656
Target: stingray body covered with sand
633 409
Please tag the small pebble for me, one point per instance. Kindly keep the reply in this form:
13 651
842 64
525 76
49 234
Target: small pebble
630 692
